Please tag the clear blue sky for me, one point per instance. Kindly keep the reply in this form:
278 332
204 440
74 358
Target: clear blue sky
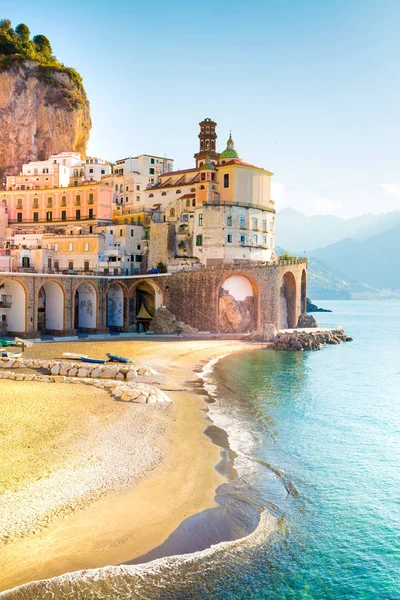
310 88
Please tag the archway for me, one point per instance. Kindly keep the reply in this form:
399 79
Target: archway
51 308
85 307
236 305
12 307
115 306
303 297
145 298
287 312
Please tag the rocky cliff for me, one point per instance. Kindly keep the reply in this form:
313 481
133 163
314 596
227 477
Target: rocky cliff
43 110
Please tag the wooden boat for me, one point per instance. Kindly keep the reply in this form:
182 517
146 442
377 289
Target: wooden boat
74 355
115 358
6 343
86 359
11 354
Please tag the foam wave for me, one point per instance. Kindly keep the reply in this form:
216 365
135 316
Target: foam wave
147 581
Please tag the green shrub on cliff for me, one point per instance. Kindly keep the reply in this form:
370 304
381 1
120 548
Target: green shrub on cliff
16 47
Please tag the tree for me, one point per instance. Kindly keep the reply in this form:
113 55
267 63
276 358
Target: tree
5 24
43 45
23 32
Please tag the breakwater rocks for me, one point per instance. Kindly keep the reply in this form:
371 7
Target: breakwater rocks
309 340
118 380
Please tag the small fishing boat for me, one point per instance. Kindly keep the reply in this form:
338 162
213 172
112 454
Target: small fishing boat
115 358
11 354
86 359
74 355
6 343
22 343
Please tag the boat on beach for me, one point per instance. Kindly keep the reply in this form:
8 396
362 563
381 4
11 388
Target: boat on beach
86 359
6 354
74 355
115 358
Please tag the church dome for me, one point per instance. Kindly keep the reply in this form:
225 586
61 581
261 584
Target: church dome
230 151
208 166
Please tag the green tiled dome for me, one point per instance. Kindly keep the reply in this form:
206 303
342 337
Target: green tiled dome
207 167
230 151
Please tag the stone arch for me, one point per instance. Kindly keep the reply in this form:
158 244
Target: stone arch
238 304
116 301
13 309
85 302
287 305
303 295
51 307
144 293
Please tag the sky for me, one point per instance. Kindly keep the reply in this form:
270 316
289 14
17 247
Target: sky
309 88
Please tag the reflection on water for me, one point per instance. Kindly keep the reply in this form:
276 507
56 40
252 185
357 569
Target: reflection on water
317 439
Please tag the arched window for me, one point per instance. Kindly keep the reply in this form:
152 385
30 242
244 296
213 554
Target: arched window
178 192
202 187
151 195
125 221
201 164
207 144
203 176
164 194
192 190
212 144
201 145
172 213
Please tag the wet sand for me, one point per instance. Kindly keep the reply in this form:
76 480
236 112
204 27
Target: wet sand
160 470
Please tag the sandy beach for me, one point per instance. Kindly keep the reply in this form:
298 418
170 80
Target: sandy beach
87 481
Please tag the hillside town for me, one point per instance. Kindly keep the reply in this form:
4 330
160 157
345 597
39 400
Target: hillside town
72 217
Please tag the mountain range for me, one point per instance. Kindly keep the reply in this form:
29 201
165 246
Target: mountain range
347 257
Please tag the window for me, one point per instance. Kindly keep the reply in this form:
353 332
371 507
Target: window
19 203
132 233
242 239
132 221
36 203
242 222
226 180
203 176
78 200
90 170
90 213
264 240
202 187
138 188
138 258
163 193
139 221
86 265
188 202
151 171
35 217
194 202
116 188
120 233
49 202
151 195
64 215
48 246
137 246
56 265
229 221
49 216
172 213
255 223
75 182
19 217
56 247
137 198
63 200
199 240
229 238
25 261
71 265
91 198
178 192
212 176
49 263
152 161
103 171
78 215
127 188
265 225
201 219
70 247
86 247
256 240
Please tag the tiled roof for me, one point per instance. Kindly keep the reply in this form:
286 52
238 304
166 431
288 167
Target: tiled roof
188 196
237 161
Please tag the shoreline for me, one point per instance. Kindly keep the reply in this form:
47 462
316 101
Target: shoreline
184 492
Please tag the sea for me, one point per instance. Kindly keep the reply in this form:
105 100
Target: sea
312 453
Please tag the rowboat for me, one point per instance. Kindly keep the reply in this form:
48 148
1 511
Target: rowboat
121 359
100 361
11 354
6 343
74 355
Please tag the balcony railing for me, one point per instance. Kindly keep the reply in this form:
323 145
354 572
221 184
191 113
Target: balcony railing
268 208
54 220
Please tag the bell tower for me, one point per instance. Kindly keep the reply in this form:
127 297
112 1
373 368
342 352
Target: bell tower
208 143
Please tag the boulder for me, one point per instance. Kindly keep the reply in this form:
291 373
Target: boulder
107 373
306 321
55 369
164 321
83 372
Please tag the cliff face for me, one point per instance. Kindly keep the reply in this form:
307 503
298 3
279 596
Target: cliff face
42 112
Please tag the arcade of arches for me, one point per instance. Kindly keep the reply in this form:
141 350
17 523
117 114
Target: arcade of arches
219 299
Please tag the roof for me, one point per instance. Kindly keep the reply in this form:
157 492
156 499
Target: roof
237 161
188 196
170 173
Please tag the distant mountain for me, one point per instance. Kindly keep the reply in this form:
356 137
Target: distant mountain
300 233
373 260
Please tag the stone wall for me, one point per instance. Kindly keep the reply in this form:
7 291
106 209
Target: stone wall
162 247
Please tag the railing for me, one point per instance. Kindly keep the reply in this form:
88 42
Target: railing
330 326
242 204
55 220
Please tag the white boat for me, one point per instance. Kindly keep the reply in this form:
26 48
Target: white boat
11 354
74 355
23 343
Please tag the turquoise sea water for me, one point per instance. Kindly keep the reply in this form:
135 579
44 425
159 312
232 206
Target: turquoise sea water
317 437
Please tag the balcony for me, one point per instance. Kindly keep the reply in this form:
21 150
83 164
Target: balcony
55 220
5 302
